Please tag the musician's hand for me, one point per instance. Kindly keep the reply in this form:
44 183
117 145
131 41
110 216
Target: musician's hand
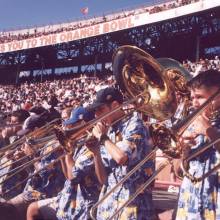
187 142
99 129
18 154
10 131
201 125
7 132
27 149
198 127
9 154
68 147
92 144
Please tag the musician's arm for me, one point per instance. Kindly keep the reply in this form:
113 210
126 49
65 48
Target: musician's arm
63 166
116 153
99 168
99 131
94 146
67 164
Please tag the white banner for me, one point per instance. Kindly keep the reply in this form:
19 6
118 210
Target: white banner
107 27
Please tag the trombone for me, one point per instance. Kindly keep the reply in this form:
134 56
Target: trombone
38 133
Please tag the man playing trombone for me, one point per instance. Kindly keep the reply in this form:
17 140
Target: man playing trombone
124 142
81 188
44 180
199 196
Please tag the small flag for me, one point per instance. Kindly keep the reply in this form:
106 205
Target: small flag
85 10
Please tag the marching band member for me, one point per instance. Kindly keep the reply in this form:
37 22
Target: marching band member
81 189
123 145
48 182
17 119
201 200
8 161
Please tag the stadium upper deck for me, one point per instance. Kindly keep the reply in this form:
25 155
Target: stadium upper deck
45 36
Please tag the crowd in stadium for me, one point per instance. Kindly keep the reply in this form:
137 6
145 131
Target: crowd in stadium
67 92
6 37
202 65
67 89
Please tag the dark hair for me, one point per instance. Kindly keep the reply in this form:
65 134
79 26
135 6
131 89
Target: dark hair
53 101
209 78
21 114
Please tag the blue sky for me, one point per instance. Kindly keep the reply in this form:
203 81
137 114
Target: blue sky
16 14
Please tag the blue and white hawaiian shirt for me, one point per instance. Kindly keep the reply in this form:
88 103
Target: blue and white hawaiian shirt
8 180
80 193
200 201
50 180
131 136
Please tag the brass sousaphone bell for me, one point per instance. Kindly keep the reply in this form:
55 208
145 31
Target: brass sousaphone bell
162 84
137 72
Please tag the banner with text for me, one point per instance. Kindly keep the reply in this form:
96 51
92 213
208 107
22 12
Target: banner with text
106 27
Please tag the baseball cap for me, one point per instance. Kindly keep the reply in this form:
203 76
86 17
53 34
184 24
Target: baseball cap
79 113
32 122
106 96
38 110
